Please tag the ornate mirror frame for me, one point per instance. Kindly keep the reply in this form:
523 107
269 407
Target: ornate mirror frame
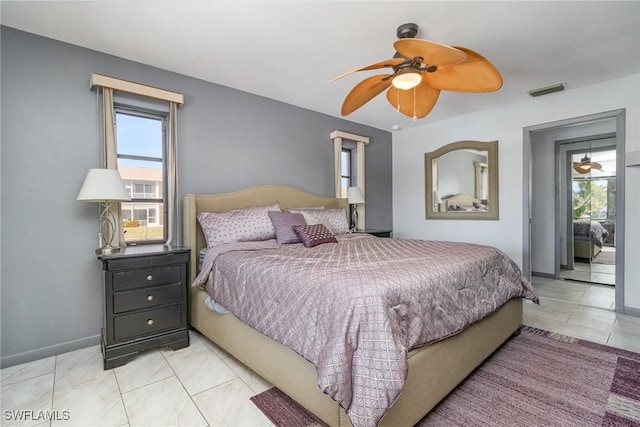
434 211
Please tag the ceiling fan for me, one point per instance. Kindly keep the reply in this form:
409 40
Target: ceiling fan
585 165
420 69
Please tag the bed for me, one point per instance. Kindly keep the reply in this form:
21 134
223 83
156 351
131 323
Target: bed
432 370
588 238
463 203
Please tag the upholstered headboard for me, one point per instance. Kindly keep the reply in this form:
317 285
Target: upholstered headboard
287 197
459 200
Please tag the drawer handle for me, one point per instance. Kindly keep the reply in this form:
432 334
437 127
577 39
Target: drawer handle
150 322
149 297
149 277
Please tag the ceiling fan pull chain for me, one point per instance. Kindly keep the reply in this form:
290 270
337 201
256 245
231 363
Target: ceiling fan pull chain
415 118
398 104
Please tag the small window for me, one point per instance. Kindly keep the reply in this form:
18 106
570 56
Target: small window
142 146
346 175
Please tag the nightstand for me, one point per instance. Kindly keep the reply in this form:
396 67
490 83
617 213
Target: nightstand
145 301
377 233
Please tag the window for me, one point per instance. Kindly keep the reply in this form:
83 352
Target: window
594 189
348 161
346 175
142 146
594 198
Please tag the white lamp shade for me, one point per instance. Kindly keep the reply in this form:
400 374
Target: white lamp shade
354 195
103 185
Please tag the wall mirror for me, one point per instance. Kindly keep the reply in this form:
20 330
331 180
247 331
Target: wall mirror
462 181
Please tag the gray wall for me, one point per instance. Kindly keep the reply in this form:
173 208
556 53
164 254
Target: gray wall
228 139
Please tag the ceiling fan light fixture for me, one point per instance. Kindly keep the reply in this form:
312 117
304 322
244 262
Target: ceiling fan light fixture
581 169
407 78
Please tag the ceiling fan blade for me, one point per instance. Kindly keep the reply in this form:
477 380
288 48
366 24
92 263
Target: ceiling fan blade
364 91
416 102
475 74
432 53
386 63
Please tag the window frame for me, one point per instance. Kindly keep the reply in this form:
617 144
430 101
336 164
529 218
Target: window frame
163 117
357 144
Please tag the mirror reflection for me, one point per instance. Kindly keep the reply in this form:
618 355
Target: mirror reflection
462 181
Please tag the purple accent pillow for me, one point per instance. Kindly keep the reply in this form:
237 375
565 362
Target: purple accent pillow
283 222
314 235
334 219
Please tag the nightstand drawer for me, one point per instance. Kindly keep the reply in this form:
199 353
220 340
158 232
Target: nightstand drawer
149 277
147 297
146 322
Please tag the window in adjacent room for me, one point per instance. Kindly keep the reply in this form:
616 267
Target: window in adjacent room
141 140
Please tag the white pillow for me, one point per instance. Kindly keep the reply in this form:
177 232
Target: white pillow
238 225
334 219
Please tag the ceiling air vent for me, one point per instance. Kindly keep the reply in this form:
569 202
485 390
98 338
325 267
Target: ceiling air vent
547 90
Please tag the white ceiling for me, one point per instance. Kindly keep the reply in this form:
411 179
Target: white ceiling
289 50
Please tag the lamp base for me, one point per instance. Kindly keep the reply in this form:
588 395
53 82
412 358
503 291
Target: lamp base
107 250
354 218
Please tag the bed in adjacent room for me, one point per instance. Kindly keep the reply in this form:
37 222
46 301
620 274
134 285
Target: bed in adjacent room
359 330
588 238
463 203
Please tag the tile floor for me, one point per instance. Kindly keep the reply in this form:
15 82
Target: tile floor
582 310
197 386
592 272
202 385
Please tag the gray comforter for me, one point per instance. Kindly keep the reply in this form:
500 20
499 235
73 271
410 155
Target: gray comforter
584 229
356 307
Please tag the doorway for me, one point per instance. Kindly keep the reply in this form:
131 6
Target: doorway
586 185
542 233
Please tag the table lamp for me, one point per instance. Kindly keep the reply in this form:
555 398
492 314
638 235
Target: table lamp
354 195
104 186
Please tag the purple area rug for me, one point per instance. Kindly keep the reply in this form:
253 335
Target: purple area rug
538 378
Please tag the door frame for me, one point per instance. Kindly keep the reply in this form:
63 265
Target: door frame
620 118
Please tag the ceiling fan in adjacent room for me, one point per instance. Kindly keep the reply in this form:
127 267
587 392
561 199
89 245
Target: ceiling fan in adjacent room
419 70
585 165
